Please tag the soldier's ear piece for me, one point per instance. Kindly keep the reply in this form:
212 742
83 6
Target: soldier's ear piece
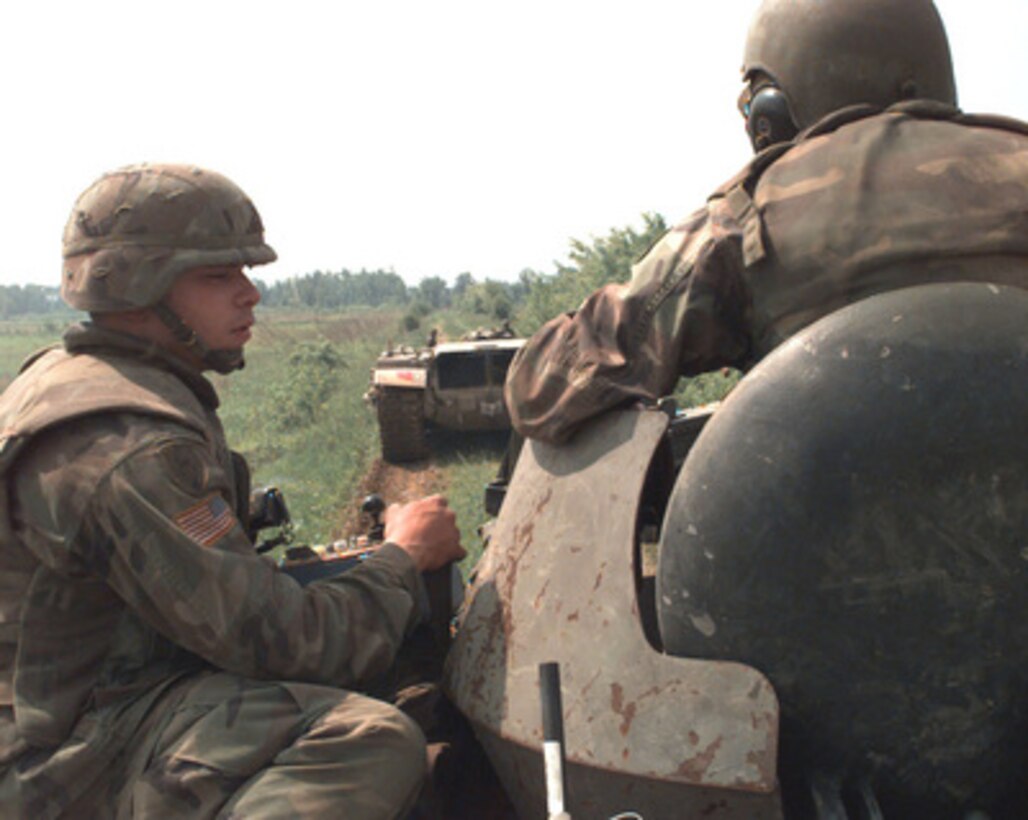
768 117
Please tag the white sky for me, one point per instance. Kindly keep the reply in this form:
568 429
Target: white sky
429 137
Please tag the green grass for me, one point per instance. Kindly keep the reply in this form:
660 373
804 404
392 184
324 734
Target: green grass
706 388
319 463
296 411
469 462
301 420
21 337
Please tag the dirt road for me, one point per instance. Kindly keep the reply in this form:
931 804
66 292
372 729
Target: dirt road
396 483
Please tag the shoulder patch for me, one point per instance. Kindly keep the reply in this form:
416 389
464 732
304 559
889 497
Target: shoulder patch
207 521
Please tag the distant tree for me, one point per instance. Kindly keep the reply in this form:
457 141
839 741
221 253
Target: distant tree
527 278
461 284
20 300
410 322
331 291
489 298
262 287
434 291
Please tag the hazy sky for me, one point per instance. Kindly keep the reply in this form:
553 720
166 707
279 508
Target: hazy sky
431 138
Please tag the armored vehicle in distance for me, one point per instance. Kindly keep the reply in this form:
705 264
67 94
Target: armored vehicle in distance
450 385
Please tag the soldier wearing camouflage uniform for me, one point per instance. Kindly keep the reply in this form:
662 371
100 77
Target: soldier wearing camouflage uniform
151 664
867 178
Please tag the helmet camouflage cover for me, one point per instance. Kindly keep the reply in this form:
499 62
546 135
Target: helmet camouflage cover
828 54
135 230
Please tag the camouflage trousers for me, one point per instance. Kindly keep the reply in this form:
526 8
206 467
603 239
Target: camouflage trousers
223 746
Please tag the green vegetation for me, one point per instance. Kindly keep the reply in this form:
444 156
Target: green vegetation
468 469
21 337
608 259
296 411
332 291
590 266
28 300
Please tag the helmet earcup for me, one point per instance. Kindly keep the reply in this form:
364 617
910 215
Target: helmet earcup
769 119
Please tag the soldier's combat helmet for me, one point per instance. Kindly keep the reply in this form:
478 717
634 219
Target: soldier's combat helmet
134 231
823 55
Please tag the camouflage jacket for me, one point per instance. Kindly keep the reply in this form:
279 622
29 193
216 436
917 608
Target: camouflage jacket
123 565
865 201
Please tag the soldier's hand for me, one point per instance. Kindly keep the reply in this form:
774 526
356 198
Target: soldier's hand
426 530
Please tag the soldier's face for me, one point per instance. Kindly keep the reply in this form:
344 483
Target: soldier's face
217 303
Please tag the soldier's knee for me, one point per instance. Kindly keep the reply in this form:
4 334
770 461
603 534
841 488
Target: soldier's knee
407 748
409 759
412 741
379 727
393 748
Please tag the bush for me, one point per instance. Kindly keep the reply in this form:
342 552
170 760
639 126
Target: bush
706 388
411 322
604 260
310 381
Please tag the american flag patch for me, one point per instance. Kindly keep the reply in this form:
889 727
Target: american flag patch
206 521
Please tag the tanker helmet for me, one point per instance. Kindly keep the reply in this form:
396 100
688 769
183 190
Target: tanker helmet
134 231
824 55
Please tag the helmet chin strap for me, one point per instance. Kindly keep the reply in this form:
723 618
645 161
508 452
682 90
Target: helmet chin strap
224 360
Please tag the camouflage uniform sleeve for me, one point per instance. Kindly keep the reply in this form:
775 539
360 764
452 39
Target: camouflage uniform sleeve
682 313
161 531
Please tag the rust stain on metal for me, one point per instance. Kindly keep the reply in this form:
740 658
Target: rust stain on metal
507 576
695 767
765 721
759 761
544 501
589 684
657 690
537 603
495 627
627 711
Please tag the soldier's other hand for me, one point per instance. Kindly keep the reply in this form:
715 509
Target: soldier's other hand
426 530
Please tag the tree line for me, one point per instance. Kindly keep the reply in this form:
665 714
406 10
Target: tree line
530 300
25 300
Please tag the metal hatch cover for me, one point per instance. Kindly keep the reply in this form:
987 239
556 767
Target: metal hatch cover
557 584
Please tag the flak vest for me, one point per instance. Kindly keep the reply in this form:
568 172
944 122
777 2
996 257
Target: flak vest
868 200
56 388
